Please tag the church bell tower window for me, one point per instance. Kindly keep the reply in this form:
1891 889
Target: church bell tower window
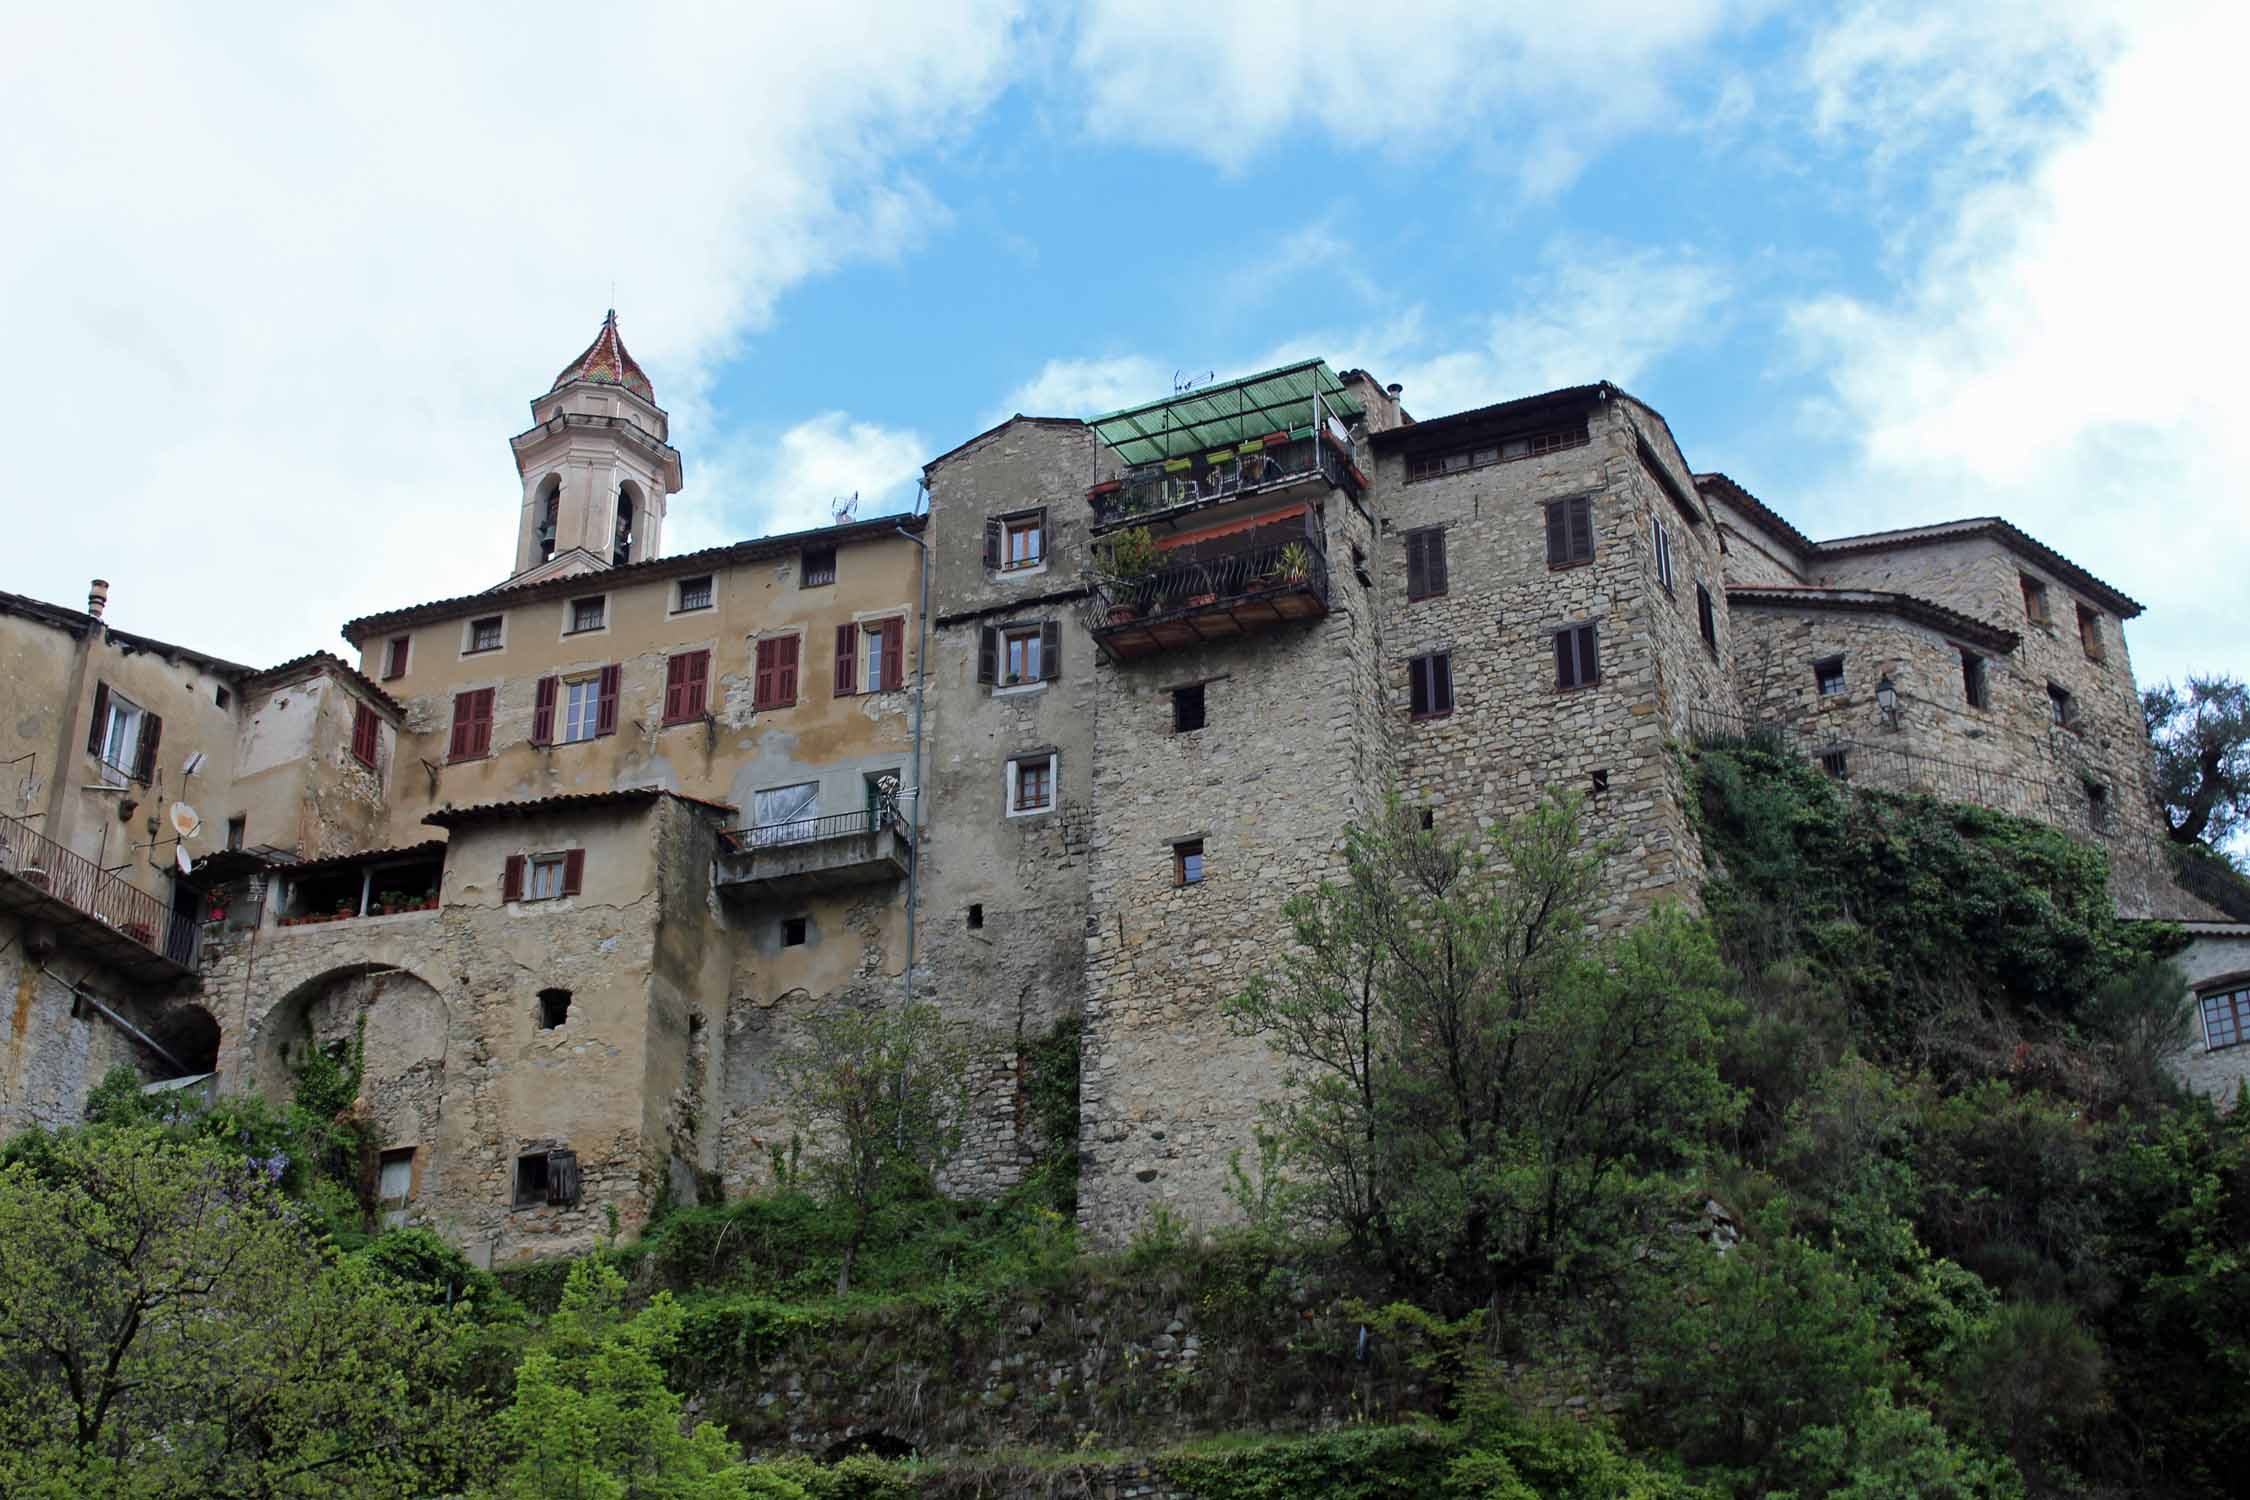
623 553
550 515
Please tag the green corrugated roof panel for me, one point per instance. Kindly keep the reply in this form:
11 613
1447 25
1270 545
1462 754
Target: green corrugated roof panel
1222 415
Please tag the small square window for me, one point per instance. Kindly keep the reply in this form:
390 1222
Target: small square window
221 696
1019 656
976 915
2226 1019
394 1176
793 932
1187 862
1828 676
395 656
695 593
554 1008
818 568
2090 633
588 614
1429 685
238 829
2034 600
1429 820
532 1179
1837 764
1187 709
1031 785
2062 707
1024 541
486 634
1598 782
1973 686
544 880
2097 806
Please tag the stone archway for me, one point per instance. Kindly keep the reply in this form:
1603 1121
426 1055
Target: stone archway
190 1034
403 1021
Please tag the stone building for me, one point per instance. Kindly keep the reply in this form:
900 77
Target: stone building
572 857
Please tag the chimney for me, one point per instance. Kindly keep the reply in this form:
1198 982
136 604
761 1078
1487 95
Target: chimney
97 597
1396 390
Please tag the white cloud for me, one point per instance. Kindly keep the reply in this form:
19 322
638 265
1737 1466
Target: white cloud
1087 387
2067 353
792 482
280 281
1229 82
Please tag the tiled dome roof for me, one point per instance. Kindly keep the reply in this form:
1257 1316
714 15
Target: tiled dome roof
605 362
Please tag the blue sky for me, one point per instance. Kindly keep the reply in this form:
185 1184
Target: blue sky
289 276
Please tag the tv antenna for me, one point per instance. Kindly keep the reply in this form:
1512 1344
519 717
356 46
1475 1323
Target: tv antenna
844 509
1182 382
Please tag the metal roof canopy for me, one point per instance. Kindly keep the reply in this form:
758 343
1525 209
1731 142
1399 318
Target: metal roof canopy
1287 398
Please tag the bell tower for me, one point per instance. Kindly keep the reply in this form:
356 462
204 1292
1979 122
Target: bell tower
596 466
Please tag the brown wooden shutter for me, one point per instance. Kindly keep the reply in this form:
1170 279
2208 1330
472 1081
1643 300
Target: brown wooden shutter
1581 530
144 762
1708 620
1589 661
675 689
847 660
394 661
1558 535
605 710
562 1176
95 735
1050 650
1417 565
543 711
459 746
992 542
1418 686
988 654
364 739
1441 682
1563 677
894 655
574 872
1433 561
762 690
511 879
784 673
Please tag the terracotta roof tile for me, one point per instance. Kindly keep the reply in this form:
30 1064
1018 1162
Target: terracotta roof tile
605 362
487 812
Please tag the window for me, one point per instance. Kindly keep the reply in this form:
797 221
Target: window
221 696
2097 807
1828 676
687 682
1187 709
1597 782
1187 862
394 657
1429 819
543 877
2226 1019
581 709
394 1183
976 915
2062 708
883 645
1031 784
816 567
472 725
1023 541
588 614
588 707
546 1177
550 512
365 735
695 594
1503 450
1973 689
775 685
1663 539
554 1008
1425 563
238 830
1429 685
2034 600
622 552
784 814
487 634
1837 764
1570 531
1013 655
2090 632
123 738
793 930
1705 619
1577 657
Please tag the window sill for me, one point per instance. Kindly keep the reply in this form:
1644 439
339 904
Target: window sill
364 763
1564 567
462 760
693 609
486 650
1020 570
589 630
1442 713
1579 687
1017 689
692 719
815 583
1032 812
1418 598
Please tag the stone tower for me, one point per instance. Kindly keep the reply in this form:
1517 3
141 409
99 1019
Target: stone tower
596 467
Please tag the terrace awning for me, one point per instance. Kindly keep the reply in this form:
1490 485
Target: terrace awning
1205 422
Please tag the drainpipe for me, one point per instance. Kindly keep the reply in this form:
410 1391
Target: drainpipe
921 681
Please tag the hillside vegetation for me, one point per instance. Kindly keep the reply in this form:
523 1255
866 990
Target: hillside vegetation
1866 1183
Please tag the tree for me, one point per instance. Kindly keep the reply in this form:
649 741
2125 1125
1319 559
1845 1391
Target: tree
1476 1079
2202 739
593 1419
171 1325
885 1094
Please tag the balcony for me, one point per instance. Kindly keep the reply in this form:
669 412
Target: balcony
1169 493
1274 575
126 928
810 856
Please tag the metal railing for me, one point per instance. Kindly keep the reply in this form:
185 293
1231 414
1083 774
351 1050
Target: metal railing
1152 487
38 861
1199 584
811 830
2057 800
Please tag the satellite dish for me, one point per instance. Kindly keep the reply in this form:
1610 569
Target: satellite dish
186 821
180 858
844 509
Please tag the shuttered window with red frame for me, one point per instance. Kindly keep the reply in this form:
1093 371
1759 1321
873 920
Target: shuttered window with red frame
364 734
543 711
847 660
894 655
776 683
472 725
687 683
605 710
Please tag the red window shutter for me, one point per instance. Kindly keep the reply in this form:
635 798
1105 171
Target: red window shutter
847 660
762 690
95 735
698 682
894 655
543 711
462 727
511 879
394 664
144 762
363 734
484 721
574 872
1050 651
675 689
605 710
784 671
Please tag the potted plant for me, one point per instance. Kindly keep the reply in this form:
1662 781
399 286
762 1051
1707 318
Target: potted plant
1131 556
1295 563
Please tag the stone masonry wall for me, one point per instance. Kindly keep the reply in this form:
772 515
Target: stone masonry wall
52 1058
2217 959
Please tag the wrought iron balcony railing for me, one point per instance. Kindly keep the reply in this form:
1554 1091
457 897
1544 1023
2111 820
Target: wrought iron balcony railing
1210 599
1253 468
44 865
812 830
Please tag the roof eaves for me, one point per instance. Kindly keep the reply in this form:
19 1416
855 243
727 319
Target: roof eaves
566 802
2002 530
1757 512
1875 601
298 668
997 427
1434 429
